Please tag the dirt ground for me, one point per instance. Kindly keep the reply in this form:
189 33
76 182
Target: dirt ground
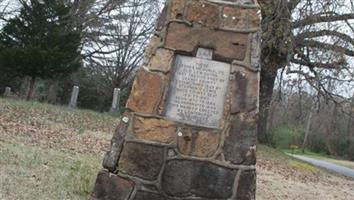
281 177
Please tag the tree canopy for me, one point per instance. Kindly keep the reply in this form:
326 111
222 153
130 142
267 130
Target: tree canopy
312 40
40 42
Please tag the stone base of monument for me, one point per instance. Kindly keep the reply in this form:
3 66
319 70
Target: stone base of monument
190 133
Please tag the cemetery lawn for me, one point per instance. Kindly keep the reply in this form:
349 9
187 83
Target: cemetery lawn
52 152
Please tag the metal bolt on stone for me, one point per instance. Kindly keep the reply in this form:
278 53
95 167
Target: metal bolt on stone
74 97
194 101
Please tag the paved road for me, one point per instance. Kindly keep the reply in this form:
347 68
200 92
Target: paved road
327 165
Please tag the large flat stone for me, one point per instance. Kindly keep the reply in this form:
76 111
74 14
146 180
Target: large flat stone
141 160
228 45
152 129
240 1
203 13
150 49
162 60
254 20
110 186
199 143
234 18
255 51
240 144
111 158
183 178
176 9
246 186
142 195
146 92
244 88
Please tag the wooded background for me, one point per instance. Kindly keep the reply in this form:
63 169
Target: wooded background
307 50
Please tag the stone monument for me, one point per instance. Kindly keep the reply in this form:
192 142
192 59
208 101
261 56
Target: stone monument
74 96
190 133
115 102
7 92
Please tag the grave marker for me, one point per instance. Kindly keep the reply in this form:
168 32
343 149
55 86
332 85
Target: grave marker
74 96
115 101
7 92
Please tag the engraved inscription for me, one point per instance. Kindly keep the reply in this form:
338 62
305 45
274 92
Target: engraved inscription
197 91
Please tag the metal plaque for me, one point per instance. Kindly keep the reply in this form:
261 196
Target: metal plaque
198 91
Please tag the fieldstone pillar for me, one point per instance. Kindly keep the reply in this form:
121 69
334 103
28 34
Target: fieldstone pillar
74 96
115 102
191 129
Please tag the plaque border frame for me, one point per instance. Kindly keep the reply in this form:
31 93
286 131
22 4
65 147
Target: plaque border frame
169 91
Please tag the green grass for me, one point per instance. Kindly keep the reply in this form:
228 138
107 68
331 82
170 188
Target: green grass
303 166
41 113
279 157
322 156
308 153
50 152
37 173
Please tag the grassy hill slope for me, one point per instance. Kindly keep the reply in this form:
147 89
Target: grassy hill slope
53 152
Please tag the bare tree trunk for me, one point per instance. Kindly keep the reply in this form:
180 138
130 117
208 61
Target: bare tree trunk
30 88
266 93
331 132
350 119
299 115
271 117
53 91
308 127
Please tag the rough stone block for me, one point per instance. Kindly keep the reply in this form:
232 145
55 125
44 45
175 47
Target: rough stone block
255 51
241 1
183 178
254 19
110 160
142 195
176 9
244 88
247 186
162 60
153 129
198 143
110 186
141 160
240 144
228 45
203 13
234 18
146 92
150 49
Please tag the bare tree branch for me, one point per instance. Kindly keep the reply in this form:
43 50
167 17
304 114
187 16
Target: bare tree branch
320 18
325 46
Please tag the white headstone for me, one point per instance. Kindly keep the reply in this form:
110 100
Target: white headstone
74 96
7 92
115 101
